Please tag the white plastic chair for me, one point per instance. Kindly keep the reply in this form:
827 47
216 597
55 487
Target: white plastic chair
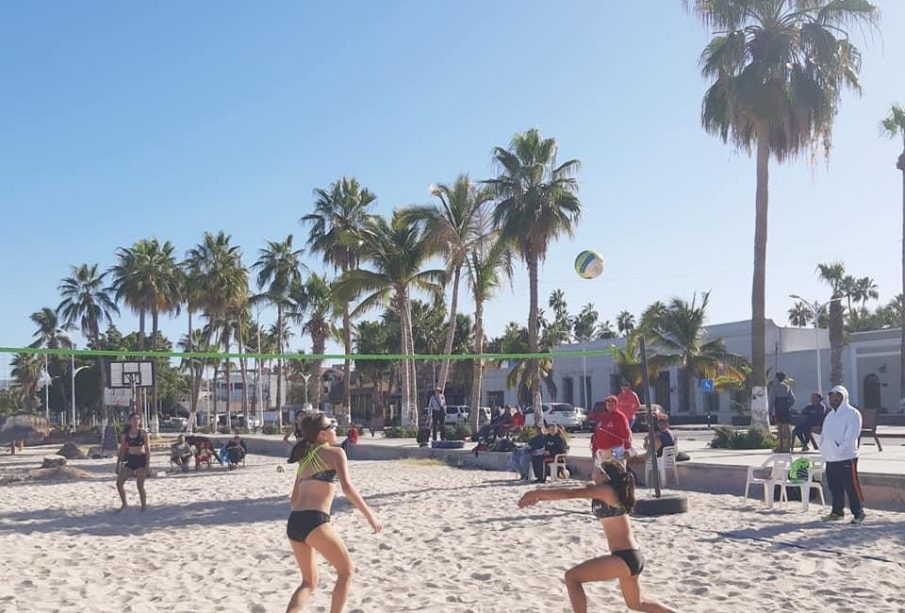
665 463
779 468
553 468
815 473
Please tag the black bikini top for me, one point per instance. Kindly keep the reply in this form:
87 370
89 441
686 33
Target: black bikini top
322 471
136 441
603 510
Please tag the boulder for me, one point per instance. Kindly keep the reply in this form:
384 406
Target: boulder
53 462
71 451
97 452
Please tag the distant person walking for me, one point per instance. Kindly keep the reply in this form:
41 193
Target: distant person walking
811 417
437 406
783 399
627 403
839 447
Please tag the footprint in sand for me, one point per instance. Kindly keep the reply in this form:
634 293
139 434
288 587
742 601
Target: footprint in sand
481 576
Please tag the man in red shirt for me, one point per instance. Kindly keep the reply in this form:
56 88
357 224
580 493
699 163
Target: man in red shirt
628 404
613 433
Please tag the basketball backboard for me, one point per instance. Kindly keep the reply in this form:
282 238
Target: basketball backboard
128 373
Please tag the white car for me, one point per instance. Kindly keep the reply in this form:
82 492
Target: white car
559 414
457 414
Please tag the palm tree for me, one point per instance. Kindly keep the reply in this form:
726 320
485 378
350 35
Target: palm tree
651 316
538 202
778 68
605 330
216 268
396 252
681 341
314 306
800 315
585 323
51 334
452 227
26 370
893 126
340 214
628 359
198 341
279 270
89 303
625 322
865 289
834 275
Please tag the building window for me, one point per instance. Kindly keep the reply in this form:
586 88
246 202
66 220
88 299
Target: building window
568 391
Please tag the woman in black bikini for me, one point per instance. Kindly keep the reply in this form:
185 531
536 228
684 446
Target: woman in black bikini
134 458
612 495
320 464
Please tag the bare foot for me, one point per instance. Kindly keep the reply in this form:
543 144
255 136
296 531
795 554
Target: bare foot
121 508
144 508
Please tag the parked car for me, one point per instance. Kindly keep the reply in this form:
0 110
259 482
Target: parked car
640 425
559 414
174 424
458 414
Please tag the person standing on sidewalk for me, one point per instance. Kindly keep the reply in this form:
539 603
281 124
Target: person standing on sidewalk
437 406
783 399
839 447
627 403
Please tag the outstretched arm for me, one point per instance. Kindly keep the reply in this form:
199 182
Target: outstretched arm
342 471
586 491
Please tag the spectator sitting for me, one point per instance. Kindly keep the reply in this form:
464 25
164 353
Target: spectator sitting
538 446
518 419
181 452
235 451
504 423
663 437
811 417
351 438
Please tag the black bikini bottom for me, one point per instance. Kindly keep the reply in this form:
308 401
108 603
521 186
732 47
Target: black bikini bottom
633 558
134 462
303 523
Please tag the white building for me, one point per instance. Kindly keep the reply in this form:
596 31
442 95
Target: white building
870 370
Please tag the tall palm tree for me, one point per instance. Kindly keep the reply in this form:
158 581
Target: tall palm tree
681 341
26 370
314 304
538 202
778 69
628 359
833 274
865 289
216 267
585 324
88 303
894 126
651 316
800 315
625 323
50 334
340 214
452 227
279 270
396 252
489 267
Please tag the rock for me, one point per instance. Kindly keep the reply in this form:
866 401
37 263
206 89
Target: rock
97 452
53 462
58 473
71 451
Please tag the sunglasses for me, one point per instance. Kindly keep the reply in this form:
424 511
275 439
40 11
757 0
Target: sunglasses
328 427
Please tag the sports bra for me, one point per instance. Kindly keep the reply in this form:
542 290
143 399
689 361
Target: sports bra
136 441
322 472
603 510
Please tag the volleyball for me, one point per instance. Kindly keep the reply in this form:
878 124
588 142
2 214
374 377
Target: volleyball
589 264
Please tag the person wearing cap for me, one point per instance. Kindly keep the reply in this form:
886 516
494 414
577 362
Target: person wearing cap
811 417
437 406
628 403
613 434
839 447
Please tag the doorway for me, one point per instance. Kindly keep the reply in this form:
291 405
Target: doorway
872 395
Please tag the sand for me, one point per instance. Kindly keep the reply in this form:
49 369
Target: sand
454 541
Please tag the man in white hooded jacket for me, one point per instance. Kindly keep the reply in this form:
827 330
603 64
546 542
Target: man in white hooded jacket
839 447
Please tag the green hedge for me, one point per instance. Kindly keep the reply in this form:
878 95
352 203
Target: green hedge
726 437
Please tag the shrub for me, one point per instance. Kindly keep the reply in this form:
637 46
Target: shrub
458 433
525 434
400 432
726 437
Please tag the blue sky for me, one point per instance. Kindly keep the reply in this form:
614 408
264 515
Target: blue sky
128 120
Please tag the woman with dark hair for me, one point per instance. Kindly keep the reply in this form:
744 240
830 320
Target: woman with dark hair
133 459
612 495
309 530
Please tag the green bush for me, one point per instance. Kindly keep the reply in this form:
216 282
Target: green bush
400 432
524 435
458 433
726 437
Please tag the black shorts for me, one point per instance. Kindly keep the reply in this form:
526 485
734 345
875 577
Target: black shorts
134 462
303 523
633 558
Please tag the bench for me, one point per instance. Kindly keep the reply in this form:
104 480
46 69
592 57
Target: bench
376 423
869 426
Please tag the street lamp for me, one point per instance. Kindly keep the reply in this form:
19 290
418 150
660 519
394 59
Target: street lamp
816 308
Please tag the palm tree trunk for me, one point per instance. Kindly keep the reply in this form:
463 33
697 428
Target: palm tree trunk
759 407
229 391
193 397
405 413
347 364
837 340
141 329
280 366
243 365
412 365
155 319
212 419
451 328
533 364
317 347
901 166
478 363
101 370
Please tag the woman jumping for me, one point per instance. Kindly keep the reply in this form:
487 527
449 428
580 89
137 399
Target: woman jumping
309 529
612 495
133 459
